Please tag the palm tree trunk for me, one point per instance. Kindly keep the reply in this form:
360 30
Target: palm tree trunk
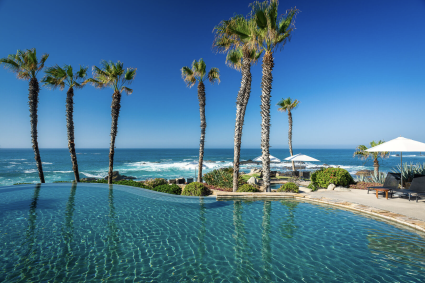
33 103
290 137
115 112
70 129
376 167
241 103
266 87
201 98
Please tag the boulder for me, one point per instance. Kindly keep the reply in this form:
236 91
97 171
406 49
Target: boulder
255 171
116 176
339 188
252 181
331 187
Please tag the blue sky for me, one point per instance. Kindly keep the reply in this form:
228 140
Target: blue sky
356 66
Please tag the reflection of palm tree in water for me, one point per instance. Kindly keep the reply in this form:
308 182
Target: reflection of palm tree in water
241 244
68 229
266 253
113 240
201 236
288 227
29 247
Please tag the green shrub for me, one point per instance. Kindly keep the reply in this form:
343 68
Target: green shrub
23 184
289 187
338 176
155 182
169 189
247 188
312 187
222 178
196 189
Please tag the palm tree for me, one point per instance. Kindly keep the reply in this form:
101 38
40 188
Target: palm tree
286 105
114 76
272 33
190 76
363 154
237 37
26 66
61 77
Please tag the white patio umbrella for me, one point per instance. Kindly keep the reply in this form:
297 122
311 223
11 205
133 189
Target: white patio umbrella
272 159
402 145
300 157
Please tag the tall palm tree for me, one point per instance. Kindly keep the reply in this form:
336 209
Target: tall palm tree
363 154
273 32
191 76
61 77
237 37
287 105
114 76
26 66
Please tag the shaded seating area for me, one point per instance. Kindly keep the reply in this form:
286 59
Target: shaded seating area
391 183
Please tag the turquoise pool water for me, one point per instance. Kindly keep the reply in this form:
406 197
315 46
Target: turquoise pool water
88 232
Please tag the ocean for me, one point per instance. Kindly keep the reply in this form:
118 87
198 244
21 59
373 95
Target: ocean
18 165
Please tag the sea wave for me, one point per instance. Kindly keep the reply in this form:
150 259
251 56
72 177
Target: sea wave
46 163
170 166
30 171
93 175
62 171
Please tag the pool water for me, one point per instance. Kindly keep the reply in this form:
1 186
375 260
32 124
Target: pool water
90 233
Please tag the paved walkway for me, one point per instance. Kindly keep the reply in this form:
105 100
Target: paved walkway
396 205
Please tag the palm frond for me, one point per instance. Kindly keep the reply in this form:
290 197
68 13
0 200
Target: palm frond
42 61
95 83
234 59
188 76
10 64
287 104
127 90
130 74
214 75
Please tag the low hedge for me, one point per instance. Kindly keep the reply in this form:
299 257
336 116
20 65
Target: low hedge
247 188
289 187
338 176
155 182
169 189
196 189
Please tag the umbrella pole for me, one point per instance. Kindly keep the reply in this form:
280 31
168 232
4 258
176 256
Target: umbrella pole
401 169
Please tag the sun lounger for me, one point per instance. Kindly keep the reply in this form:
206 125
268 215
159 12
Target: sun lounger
391 183
416 189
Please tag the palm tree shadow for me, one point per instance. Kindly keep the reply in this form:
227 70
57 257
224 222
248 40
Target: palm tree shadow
266 253
288 226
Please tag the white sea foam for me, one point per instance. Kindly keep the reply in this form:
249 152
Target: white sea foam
14 163
62 171
170 166
46 163
30 171
94 176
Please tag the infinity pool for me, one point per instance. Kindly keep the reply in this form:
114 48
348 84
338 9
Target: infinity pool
88 232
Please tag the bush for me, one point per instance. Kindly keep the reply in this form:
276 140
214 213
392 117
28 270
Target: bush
338 176
289 187
222 178
312 187
155 182
247 188
169 189
196 189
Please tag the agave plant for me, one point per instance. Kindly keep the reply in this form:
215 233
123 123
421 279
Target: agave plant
409 171
362 178
378 178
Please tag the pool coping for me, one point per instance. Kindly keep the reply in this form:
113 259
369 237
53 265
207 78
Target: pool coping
385 214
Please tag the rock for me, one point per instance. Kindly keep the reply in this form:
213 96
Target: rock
339 188
252 181
255 171
331 187
116 176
